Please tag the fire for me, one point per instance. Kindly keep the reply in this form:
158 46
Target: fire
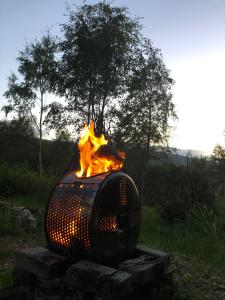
91 162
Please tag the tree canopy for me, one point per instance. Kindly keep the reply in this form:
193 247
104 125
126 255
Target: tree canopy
145 111
98 54
106 71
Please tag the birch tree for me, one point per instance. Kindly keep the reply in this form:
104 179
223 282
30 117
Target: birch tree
97 57
27 91
144 114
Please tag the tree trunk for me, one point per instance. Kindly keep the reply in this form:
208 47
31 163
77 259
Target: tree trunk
91 102
101 116
40 136
145 165
89 112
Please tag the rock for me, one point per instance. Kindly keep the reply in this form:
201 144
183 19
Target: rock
23 278
25 217
98 279
165 257
41 262
142 269
4 206
53 277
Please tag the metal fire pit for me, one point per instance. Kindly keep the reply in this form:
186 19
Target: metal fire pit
96 217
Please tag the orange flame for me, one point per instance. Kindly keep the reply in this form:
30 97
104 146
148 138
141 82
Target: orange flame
91 162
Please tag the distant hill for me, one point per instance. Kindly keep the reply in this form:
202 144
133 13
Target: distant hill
193 153
180 156
57 156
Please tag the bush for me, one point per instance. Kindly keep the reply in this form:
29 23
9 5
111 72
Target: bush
19 180
177 190
8 224
169 189
23 149
200 235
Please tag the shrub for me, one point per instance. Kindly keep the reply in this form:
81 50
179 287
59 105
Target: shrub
8 224
177 190
200 235
20 180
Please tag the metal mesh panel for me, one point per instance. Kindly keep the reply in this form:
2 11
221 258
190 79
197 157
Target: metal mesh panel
108 223
80 208
123 191
67 219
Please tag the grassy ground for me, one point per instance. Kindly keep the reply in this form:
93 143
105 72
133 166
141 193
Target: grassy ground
202 236
14 237
197 248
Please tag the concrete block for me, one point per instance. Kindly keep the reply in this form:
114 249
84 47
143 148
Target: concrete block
96 278
143 269
41 262
165 257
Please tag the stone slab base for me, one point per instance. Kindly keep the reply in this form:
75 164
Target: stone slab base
40 274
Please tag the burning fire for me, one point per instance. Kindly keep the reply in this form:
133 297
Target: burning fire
91 161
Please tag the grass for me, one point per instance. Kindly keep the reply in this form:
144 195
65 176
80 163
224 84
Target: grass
35 202
201 236
197 247
12 235
20 180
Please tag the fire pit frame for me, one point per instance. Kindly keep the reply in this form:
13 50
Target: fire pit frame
105 195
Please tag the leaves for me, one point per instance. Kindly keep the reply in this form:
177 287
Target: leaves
148 106
97 51
37 68
56 117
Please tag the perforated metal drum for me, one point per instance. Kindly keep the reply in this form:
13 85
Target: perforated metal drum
97 217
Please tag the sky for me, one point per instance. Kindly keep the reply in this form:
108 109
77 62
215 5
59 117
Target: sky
190 34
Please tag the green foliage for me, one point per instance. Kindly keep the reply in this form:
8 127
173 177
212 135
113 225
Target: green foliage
37 66
20 180
17 149
7 221
98 53
6 280
177 190
23 127
218 153
201 235
168 187
25 94
144 113
63 136
218 156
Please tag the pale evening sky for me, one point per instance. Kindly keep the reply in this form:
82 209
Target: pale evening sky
190 33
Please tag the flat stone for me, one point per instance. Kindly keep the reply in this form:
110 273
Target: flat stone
22 277
119 284
41 262
151 251
51 276
165 257
146 267
96 278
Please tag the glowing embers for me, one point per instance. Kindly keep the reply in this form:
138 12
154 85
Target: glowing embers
67 220
108 223
123 191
